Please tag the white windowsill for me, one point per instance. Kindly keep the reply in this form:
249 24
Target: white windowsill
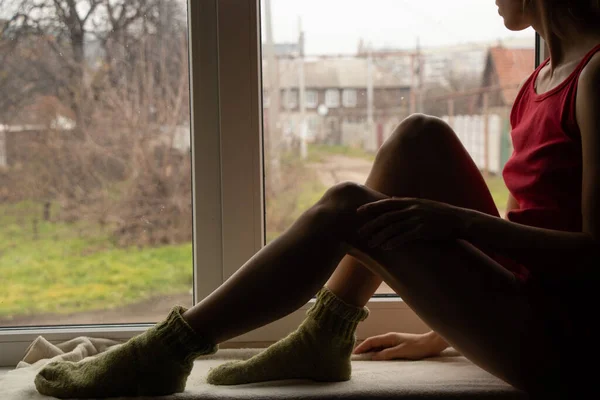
387 314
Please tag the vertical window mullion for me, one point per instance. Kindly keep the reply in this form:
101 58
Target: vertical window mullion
206 184
241 134
540 50
206 146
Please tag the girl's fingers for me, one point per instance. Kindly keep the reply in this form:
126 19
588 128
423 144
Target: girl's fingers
392 353
385 205
384 220
400 240
375 342
395 230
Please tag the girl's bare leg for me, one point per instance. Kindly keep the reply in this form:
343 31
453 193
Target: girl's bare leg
423 158
408 165
465 296
472 302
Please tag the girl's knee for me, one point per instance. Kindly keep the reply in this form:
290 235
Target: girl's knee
345 196
415 131
339 204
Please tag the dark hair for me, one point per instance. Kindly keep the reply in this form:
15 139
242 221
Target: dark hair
582 14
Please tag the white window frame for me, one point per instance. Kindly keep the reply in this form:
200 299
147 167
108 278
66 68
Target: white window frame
349 98
227 180
332 98
212 228
312 98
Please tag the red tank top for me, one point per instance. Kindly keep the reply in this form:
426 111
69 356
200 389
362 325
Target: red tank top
544 173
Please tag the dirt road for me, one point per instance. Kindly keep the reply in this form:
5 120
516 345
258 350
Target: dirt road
336 168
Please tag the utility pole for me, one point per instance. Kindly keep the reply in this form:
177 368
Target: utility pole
271 138
451 112
420 63
412 96
3 158
369 92
486 133
302 92
416 80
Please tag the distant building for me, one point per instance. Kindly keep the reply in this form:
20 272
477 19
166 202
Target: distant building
27 128
442 63
336 95
291 49
436 66
506 68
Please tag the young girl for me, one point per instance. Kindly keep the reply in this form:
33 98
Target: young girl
512 295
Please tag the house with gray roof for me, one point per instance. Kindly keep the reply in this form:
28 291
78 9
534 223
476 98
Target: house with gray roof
336 95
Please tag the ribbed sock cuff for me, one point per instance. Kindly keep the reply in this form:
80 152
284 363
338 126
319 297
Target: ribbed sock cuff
333 314
180 338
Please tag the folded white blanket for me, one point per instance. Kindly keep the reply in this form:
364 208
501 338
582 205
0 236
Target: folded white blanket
451 376
18 383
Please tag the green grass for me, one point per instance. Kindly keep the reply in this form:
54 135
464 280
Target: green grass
73 267
305 195
68 268
318 152
498 190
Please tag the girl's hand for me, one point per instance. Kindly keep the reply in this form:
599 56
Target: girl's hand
396 221
408 346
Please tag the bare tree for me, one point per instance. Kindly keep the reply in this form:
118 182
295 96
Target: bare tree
18 81
156 207
78 37
121 67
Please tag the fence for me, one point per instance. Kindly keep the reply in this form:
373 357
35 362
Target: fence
470 129
472 132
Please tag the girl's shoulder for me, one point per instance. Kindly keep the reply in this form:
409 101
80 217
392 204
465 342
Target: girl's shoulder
591 71
588 98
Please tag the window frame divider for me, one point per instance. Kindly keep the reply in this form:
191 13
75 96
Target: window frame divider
228 177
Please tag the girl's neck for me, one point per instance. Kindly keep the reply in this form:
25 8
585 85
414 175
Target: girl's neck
570 47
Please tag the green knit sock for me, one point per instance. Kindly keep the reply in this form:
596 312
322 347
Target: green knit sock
319 349
157 362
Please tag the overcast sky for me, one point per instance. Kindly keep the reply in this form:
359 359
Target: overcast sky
335 26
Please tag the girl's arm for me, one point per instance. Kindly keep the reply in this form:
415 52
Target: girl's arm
395 221
522 241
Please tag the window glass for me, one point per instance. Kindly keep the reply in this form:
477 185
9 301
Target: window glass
291 99
349 98
95 166
332 98
312 98
451 59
